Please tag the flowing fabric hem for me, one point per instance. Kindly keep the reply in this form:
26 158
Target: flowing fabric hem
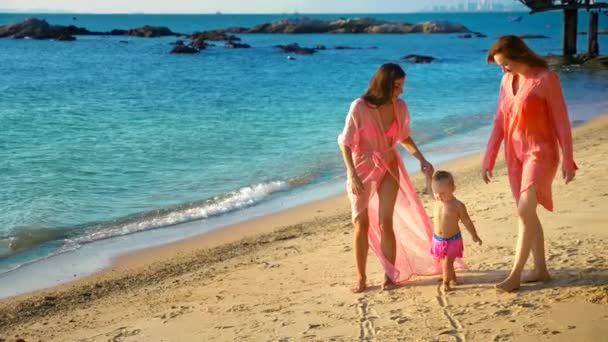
411 226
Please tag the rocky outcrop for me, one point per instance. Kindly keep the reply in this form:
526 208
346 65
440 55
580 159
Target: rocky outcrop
180 47
235 45
41 29
355 25
66 38
418 59
213 35
147 32
297 49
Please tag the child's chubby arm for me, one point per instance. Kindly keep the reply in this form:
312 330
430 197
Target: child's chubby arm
466 220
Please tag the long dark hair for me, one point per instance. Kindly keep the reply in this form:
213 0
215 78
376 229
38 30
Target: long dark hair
380 89
516 50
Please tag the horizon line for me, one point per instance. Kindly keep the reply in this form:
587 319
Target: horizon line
40 11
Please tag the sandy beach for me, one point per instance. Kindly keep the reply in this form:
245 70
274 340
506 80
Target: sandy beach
287 277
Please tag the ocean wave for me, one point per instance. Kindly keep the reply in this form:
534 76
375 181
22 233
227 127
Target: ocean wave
22 239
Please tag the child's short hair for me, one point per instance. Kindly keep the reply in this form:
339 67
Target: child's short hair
441 175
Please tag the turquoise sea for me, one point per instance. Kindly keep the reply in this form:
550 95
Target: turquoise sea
107 146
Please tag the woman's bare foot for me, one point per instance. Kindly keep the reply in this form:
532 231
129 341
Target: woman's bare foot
388 284
535 277
360 286
508 285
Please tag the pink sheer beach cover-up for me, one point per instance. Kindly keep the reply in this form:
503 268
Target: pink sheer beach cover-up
532 122
373 152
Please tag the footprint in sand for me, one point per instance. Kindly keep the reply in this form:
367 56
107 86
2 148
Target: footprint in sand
397 316
122 333
504 312
366 316
456 328
502 337
175 312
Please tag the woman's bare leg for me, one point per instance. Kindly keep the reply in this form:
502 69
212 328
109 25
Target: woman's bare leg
529 230
540 271
387 195
361 247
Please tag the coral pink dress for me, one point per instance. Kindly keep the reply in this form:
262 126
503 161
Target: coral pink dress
374 153
532 122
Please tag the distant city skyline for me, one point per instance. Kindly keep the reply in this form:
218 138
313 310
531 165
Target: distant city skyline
478 6
257 6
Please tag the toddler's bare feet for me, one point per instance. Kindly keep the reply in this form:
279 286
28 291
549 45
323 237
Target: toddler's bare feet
360 286
445 287
453 283
508 285
536 276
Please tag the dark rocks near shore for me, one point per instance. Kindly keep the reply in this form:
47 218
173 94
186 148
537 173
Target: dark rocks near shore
580 60
418 59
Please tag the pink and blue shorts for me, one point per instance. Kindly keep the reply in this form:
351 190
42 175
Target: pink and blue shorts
447 247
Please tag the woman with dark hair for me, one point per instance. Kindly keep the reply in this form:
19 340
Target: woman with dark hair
387 215
532 118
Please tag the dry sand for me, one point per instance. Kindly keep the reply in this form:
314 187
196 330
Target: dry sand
290 279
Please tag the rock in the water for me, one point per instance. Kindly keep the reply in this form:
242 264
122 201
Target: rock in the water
117 32
199 43
532 36
180 47
40 29
213 35
355 25
151 31
418 59
234 45
66 38
580 60
297 49
473 35
438 27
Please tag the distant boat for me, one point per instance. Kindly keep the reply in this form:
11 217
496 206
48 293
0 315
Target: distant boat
515 19
218 13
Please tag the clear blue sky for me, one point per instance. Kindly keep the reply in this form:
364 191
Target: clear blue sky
225 6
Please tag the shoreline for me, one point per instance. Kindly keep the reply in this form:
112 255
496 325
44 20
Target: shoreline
321 194
301 256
